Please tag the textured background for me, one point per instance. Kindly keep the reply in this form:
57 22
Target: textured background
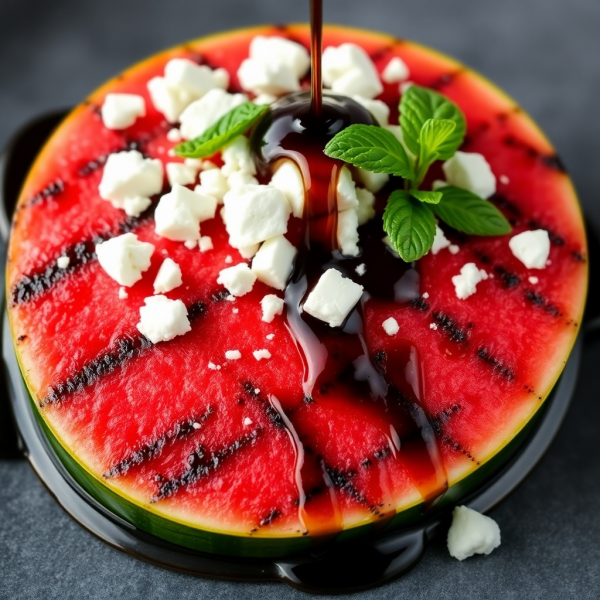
542 52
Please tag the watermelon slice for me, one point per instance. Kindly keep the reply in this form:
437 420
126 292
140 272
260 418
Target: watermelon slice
237 459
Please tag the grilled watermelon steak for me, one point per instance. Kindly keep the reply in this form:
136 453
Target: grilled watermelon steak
241 456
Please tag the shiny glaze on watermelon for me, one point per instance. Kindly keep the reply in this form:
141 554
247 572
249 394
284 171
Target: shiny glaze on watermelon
124 409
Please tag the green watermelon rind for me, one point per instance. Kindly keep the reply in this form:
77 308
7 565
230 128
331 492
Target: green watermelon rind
245 545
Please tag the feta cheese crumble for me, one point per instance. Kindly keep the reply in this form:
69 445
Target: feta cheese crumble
366 205
179 213
453 249
123 295
274 261
349 71
190 244
471 533
471 171
361 269
162 319
347 232
372 181
271 305
180 173
390 326
247 422
260 354
213 367
168 277
255 213
465 283
270 336
395 71
238 280
378 109
531 248
281 50
439 241
332 299
124 258
129 179
233 355
288 179
433 326
214 183
174 135
205 243
346 190
120 111
62 262
533 280
237 156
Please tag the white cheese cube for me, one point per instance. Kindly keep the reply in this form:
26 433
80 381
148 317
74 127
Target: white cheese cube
190 244
168 100
260 354
180 173
470 171
465 283
346 190
197 80
274 262
361 269
471 533
174 135
203 113
62 262
237 157
395 71
205 243
247 422
347 232
163 319
288 179
349 71
531 248
124 258
168 277
271 305
248 252
267 78
179 214
129 179
264 99
380 110
439 241
437 184
366 205
238 280
213 183
239 178
390 326
372 181
280 50
332 299
120 111
255 213
233 355
123 295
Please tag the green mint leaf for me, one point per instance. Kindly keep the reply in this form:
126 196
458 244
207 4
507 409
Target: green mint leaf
236 122
432 137
419 104
409 224
426 196
469 213
372 148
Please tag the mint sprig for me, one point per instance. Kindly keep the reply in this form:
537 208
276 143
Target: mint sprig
433 128
236 122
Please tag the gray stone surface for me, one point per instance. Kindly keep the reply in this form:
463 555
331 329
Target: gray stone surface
542 52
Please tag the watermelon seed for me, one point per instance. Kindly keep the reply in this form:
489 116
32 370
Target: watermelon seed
52 190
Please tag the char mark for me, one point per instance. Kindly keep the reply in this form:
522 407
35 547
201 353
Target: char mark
420 304
497 365
53 189
154 448
506 205
551 161
556 239
446 79
273 416
577 256
539 301
272 516
509 280
450 328
201 464
341 481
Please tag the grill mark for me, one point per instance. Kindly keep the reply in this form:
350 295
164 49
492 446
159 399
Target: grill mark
450 328
378 55
154 448
438 424
502 202
272 516
554 237
341 480
446 79
552 161
124 349
33 284
540 302
509 280
273 416
497 365
420 304
201 464
577 256
53 189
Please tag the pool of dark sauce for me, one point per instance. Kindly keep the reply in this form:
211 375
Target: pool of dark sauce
341 361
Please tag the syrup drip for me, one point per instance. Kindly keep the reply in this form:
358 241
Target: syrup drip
297 128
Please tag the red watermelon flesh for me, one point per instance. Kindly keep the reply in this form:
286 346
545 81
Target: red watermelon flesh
160 428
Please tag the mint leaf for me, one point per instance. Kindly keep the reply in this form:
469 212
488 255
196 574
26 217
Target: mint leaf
419 104
409 224
426 196
432 137
372 148
229 126
469 213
